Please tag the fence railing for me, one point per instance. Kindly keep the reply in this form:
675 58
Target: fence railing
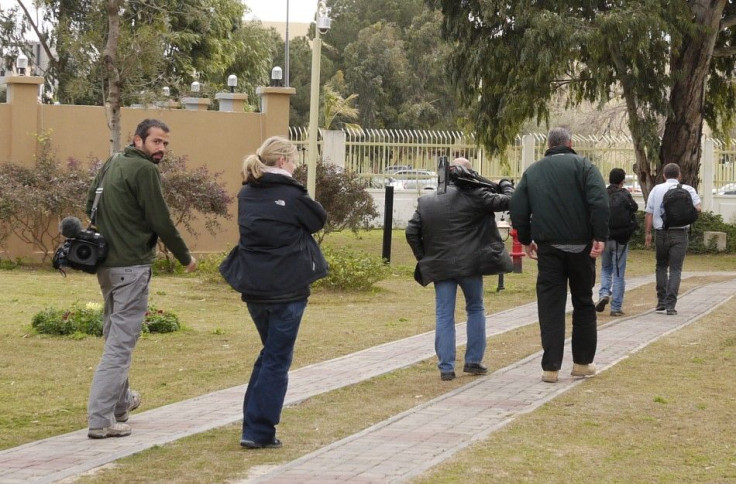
388 156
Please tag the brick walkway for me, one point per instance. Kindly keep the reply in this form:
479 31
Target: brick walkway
388 451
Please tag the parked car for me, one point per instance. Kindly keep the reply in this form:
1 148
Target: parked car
631 183
394 168
727 189
413 179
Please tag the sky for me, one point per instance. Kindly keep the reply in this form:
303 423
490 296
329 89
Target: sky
275 10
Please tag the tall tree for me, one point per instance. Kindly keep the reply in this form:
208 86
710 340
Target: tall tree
390 53
110 56
376 70
511 59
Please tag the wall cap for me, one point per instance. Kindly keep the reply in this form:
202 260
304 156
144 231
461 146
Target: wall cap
275 90
24 80
232 96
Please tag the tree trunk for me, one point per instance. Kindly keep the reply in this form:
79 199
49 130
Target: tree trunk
689 67
637 128
110 56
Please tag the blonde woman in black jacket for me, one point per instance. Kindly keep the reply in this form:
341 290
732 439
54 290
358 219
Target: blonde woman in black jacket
272 267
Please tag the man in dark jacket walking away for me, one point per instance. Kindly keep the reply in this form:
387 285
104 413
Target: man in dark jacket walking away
455 240
622 226
560 212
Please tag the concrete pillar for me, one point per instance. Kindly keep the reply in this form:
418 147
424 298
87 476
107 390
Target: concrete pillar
275 109
195 103
707 169
716 238
23 97
333 150
527 152
231 102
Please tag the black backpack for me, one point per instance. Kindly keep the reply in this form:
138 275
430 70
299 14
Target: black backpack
678 208
622 224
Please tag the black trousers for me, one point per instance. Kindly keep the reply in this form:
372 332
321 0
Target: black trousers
557 268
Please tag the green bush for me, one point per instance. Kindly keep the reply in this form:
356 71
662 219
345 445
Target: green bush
166 266
208 267
350 270
707 221
160 321
87 319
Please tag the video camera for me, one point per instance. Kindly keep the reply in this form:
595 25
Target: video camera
464 177
83 249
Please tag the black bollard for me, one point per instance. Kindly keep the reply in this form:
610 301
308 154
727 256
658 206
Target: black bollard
500 287
388 223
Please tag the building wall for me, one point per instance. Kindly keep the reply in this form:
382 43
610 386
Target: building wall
217 140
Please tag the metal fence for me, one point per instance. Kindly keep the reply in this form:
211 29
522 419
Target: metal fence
376 153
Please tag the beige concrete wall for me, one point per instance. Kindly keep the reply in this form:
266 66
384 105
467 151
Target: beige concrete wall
217 140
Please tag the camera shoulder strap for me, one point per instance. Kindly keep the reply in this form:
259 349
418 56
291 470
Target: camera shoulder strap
98 191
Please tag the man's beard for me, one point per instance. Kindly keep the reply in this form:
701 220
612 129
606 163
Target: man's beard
160 155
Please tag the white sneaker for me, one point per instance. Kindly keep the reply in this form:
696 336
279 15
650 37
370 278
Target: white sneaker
114 430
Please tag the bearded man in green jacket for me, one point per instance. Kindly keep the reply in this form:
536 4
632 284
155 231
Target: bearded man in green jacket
132 214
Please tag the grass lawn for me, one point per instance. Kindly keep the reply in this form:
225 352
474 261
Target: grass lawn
676 391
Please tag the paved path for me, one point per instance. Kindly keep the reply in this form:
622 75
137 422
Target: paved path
412 442
496 399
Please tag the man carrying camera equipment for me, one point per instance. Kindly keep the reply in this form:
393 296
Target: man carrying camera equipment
560 212
455 240
131 215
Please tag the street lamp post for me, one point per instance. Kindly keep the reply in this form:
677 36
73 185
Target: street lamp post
322 26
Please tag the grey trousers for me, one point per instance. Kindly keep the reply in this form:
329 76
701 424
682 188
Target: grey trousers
671 247
125 291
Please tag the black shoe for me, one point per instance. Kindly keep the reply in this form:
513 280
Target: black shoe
249 444
475 368
660 308
601 304
447 375
617 313
671 312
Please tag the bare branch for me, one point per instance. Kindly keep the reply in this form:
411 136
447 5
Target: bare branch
41 37
724 51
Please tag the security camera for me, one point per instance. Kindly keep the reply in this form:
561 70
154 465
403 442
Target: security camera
323 24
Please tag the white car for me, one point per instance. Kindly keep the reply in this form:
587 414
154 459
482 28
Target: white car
411 179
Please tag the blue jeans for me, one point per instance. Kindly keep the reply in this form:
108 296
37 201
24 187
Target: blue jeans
277 325
671 246
613 268
444 339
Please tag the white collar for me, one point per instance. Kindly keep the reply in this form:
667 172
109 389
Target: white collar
277 171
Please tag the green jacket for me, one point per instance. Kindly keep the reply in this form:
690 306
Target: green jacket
132 212
561 199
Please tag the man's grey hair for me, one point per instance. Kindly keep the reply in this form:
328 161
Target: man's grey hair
558 137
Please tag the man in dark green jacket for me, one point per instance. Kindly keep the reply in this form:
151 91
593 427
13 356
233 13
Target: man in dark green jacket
131 215
560 212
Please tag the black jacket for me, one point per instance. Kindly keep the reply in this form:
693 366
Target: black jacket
561 199
454 234
277 258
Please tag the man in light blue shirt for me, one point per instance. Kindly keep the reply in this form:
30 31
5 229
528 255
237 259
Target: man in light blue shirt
670 243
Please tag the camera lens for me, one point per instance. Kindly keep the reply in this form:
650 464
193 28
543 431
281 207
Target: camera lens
83 252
